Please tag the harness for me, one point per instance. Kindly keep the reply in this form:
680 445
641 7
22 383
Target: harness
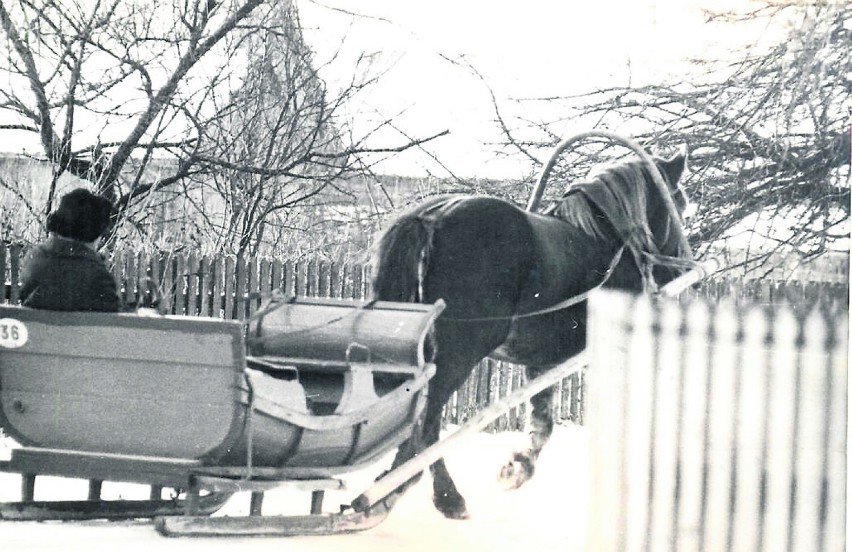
635 236
571 301
431 216
429 219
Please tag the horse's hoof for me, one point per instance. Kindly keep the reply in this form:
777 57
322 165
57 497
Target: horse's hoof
457 514
452 508
517 471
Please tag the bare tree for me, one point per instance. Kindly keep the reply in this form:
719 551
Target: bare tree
160 95
279 150
768 133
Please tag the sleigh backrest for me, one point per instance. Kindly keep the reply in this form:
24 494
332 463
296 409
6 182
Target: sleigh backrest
120 383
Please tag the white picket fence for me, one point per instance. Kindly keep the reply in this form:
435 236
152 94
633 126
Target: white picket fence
715 427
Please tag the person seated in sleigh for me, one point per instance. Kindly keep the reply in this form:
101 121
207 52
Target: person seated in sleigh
66 272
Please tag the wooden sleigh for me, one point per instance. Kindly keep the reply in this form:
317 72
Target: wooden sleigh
310 390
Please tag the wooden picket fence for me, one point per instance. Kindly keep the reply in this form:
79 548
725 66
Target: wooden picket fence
716 427
233 288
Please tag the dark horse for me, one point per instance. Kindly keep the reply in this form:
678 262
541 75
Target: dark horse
493 263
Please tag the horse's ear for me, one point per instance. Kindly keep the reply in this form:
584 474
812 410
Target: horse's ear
674 167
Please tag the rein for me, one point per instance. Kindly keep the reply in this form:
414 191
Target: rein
278 299
562 305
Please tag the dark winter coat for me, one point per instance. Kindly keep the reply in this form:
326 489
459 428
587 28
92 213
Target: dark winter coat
67 275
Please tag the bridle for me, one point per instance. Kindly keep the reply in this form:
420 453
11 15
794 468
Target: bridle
659 181
650 259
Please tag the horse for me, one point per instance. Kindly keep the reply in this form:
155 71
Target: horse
504 274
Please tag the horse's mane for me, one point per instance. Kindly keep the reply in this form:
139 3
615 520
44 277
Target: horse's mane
620 192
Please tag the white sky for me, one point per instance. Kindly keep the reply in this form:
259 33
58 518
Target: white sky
533 48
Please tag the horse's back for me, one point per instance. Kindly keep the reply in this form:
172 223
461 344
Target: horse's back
481 251
456 247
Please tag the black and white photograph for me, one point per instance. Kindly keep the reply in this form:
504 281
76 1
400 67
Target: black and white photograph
319 275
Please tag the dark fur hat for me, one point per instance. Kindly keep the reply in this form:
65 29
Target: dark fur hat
81 216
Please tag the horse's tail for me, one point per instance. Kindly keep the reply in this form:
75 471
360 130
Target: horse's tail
401 259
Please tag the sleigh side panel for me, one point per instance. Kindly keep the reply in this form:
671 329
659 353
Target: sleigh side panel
121 383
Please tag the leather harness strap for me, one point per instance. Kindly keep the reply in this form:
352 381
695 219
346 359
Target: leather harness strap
429 218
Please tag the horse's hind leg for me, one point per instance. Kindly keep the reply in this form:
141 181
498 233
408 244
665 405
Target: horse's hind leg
449 376
446 497
521 467
405 452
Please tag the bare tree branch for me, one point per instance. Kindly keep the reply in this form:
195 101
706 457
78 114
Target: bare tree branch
768 133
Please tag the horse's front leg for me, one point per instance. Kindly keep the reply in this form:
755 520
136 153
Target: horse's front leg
521 467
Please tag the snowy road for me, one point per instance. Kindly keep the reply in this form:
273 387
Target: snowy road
545 515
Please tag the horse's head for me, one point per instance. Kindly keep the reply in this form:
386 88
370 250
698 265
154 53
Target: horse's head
627 198
665 232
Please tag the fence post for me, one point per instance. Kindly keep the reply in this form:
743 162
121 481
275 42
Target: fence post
167 282
334 288
204 288
694 411
15 251
228 288
264 284
301 273
141 278
503 390
192 284
278 282
156 285
577 397
7 288
608 411
834 532
290 278
131 278
810 436
357 283
751 375
517 415
118 269
180 283
240 282
346 285
252 286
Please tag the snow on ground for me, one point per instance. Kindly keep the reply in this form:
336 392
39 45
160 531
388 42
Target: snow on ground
547 514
